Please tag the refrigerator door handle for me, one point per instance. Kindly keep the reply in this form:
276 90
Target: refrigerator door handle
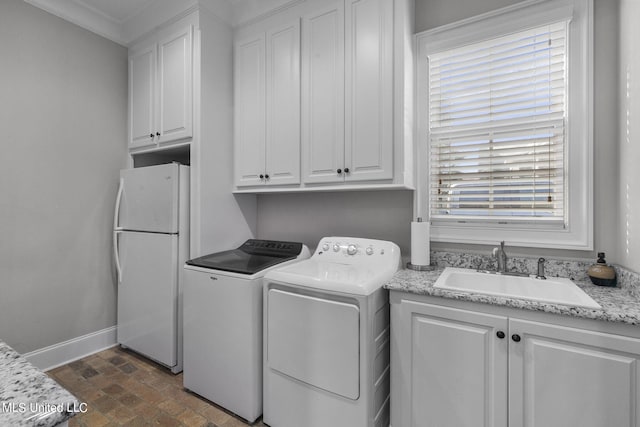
116 213
117 230
116 254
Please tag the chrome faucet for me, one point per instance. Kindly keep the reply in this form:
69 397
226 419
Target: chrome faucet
540 274
501 257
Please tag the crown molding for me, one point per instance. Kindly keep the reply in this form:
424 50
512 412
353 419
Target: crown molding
252 11
235 12
83 16
127 31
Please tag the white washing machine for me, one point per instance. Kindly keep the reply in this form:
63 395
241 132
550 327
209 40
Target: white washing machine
326 336
222 298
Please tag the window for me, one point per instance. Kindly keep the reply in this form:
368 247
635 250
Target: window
504 112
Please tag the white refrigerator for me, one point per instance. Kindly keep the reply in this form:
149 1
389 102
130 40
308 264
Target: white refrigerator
151 244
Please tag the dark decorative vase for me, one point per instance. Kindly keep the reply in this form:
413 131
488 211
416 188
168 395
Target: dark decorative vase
602 274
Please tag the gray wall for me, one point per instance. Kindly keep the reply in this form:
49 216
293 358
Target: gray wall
62 120
307 217
628 217
312 216
432 13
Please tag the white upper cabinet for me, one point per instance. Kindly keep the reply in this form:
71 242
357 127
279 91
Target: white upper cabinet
142 83
161 89
349 78
267 107
348 92
368 90
282 151
249 111
175 73
323 95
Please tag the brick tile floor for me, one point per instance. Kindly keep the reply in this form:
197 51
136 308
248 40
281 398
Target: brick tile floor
122 388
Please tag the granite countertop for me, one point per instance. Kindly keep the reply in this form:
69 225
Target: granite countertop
618 304
28 396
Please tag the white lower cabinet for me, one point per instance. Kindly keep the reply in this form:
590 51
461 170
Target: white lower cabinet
456 367
560 376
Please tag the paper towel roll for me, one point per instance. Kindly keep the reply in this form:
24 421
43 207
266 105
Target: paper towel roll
420 246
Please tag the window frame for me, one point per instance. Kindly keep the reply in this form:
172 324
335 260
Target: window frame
579 175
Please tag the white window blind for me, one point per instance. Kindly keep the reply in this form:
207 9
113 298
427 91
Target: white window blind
497 116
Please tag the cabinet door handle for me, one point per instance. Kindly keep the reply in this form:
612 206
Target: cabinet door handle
516 337
150 135
346 170
500 334
339 171
266 176
261 176
157 133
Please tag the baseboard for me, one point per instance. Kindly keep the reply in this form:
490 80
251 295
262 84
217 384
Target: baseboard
76 348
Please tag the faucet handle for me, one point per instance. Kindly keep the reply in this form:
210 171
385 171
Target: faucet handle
540 274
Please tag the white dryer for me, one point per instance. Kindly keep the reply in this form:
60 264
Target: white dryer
326 336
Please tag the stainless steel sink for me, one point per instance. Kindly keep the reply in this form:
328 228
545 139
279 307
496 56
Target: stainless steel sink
552 290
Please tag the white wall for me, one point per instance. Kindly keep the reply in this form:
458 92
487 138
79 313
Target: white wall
629 151
226 220
63 121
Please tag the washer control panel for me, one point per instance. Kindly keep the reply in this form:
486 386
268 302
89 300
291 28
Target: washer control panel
350 249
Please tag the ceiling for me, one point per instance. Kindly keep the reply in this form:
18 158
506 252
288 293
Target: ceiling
115 10
124 21
121 10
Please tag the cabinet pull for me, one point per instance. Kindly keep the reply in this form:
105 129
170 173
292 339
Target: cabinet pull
515 337
261 176
157 133
266 176
500 334
150 135
346 170
339 171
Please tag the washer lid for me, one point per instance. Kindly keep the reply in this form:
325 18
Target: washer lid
250 258
334 276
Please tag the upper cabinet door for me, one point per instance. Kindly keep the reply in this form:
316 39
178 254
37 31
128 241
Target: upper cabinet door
369 90
323 95
142 81
282 148
175 67
250 111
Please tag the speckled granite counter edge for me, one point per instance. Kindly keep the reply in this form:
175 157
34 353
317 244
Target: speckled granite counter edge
29 397
619 304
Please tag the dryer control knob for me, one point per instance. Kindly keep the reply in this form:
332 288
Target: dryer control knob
370 250
352 249
325 247
336 247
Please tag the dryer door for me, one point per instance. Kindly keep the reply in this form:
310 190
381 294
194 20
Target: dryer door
315 340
